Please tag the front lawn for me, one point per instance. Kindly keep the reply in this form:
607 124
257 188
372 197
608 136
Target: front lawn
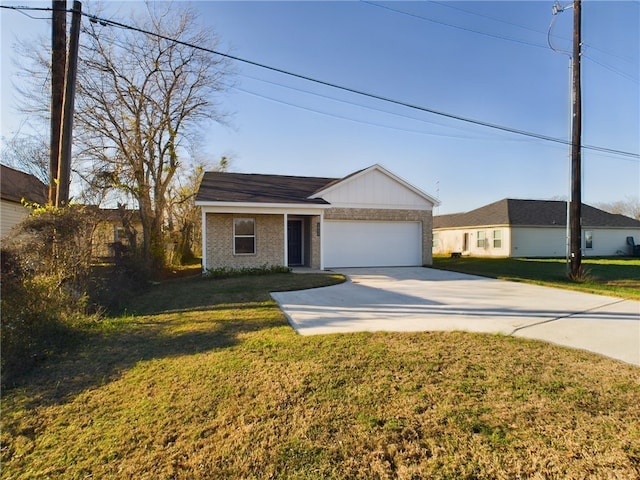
204 379
606 276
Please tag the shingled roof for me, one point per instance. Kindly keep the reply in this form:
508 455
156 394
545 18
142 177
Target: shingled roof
533 213
254 188
16 185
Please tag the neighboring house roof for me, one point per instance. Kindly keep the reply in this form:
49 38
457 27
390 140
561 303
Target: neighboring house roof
16 185
533 213
254 188
114 215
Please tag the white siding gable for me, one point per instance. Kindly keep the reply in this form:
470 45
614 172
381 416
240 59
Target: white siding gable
11 214
376 188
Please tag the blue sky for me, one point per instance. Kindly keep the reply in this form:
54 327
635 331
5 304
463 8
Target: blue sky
488 61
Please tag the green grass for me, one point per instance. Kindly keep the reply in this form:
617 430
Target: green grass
204 379
619 277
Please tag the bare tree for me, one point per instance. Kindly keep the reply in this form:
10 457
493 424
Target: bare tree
140 101
140 96
28 153
183 217
629 207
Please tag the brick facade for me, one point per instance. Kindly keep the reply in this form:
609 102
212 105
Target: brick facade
315 243
269 241
270 235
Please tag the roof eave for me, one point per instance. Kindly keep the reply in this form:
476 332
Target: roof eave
262 205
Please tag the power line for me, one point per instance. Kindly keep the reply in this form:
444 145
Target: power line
584 44
503 37
442 125
451 25
408 130
342 117
360 92
516 131
612 69
449 5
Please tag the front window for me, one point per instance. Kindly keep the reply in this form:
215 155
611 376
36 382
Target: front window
497 239
244 236
588 239
482 239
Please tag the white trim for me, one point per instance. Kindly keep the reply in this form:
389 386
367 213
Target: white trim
204 241
235 236
261 210
384 206
286 241
322 240
254 205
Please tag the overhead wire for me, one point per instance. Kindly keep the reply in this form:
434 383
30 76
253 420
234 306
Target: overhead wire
451 25
450 5
368 107
513 130
585 55
524 27
406 130
612 69
510 39
342 117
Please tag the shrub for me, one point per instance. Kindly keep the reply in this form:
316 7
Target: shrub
227 272
112 286
46 265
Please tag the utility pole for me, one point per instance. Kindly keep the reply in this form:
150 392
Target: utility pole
575 208
58 66
64 166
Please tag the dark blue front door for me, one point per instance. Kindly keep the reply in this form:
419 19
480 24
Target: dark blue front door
294 242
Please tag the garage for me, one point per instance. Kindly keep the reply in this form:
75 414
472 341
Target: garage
372 244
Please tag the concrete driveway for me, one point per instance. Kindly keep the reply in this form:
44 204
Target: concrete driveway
422 299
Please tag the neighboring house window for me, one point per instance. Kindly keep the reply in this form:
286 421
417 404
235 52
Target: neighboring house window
482 239
588 239
244 236
436 240
120 234
497 239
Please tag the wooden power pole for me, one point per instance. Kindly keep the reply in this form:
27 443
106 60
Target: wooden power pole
575 208
58 66
64 166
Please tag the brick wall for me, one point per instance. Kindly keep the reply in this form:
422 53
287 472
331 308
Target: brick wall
315 243
270 235
269 241
390 215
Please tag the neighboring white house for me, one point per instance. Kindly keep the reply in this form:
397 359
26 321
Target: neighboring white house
14 187
369 218
531 228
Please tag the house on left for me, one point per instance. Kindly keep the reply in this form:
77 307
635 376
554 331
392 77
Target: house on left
116 229
16 186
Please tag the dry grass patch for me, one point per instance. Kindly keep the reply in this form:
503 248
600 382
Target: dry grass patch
222 387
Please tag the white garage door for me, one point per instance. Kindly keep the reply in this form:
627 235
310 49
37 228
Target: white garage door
372 244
